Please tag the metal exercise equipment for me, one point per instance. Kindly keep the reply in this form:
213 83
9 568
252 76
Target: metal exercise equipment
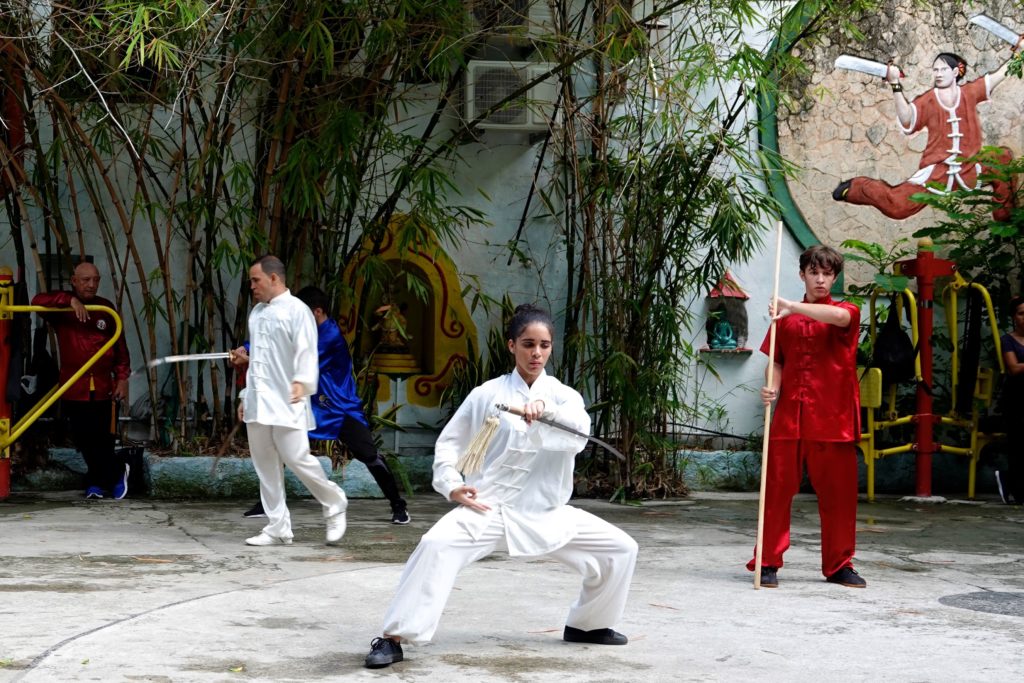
874 397
8 433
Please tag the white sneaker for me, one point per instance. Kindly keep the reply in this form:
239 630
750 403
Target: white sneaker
264 538
335 528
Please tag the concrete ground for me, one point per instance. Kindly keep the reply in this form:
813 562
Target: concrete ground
157 590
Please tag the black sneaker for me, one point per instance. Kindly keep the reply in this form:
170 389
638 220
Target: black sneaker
400 516
848 576
599 636
383 652
769 577
842 189
1002 491
255 511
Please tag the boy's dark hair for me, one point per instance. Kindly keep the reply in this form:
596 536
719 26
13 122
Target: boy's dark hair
314 297
954 62
823 258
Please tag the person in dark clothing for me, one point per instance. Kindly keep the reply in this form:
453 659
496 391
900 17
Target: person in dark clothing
1011 401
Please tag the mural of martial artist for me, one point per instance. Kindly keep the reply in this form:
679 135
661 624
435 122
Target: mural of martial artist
949 112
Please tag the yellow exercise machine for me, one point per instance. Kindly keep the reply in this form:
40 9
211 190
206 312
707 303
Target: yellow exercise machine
9 434
874 397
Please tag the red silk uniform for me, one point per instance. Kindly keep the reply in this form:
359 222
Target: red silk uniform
954 134
816 423
78 341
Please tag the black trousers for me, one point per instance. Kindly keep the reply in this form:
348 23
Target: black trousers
357 437
1014 480
90 430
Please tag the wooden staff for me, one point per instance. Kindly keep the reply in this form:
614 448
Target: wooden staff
224 447
770 378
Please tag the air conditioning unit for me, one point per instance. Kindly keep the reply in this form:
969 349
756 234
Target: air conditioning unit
527 18
488 83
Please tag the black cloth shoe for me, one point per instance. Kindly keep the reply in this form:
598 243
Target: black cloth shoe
383 652
848 576
255 511
400 516
599 636
769 577
839 194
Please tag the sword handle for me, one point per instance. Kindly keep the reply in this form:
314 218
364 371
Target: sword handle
509 409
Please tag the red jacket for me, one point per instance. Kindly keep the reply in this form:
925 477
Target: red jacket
78 342
819 399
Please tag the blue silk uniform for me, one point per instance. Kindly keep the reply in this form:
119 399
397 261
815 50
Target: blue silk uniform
336 397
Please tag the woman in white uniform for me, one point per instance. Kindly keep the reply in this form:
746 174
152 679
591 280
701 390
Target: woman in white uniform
517 501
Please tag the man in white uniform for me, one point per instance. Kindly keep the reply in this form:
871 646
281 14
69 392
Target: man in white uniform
283 371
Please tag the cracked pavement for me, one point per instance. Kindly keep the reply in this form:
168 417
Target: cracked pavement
158 590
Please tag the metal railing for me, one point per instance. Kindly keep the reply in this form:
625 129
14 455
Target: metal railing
6 439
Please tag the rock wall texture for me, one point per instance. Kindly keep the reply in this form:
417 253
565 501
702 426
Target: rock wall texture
844 124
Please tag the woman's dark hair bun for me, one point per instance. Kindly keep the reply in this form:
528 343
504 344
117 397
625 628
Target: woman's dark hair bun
525 315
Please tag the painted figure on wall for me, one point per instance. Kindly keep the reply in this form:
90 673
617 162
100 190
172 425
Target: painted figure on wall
949 113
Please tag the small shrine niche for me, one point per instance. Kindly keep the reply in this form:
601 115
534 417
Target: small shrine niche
401 336
417 326
726 324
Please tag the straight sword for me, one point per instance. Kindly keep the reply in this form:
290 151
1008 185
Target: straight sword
565 428
216 355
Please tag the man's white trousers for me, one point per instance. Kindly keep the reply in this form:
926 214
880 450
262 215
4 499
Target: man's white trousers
271 448
603 554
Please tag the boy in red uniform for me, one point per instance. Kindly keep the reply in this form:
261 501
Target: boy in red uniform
816 420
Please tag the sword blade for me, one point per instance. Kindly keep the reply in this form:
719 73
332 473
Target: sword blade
217 355
565 428
995 28
861 65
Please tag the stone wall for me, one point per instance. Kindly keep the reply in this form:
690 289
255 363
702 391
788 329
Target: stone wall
846 122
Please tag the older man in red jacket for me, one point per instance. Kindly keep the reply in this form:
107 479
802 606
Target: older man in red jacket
87 404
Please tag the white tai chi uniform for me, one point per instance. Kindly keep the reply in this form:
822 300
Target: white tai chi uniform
283 338
527 480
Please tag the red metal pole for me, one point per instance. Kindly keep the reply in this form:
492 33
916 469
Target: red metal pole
925 268
925 423
6 298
